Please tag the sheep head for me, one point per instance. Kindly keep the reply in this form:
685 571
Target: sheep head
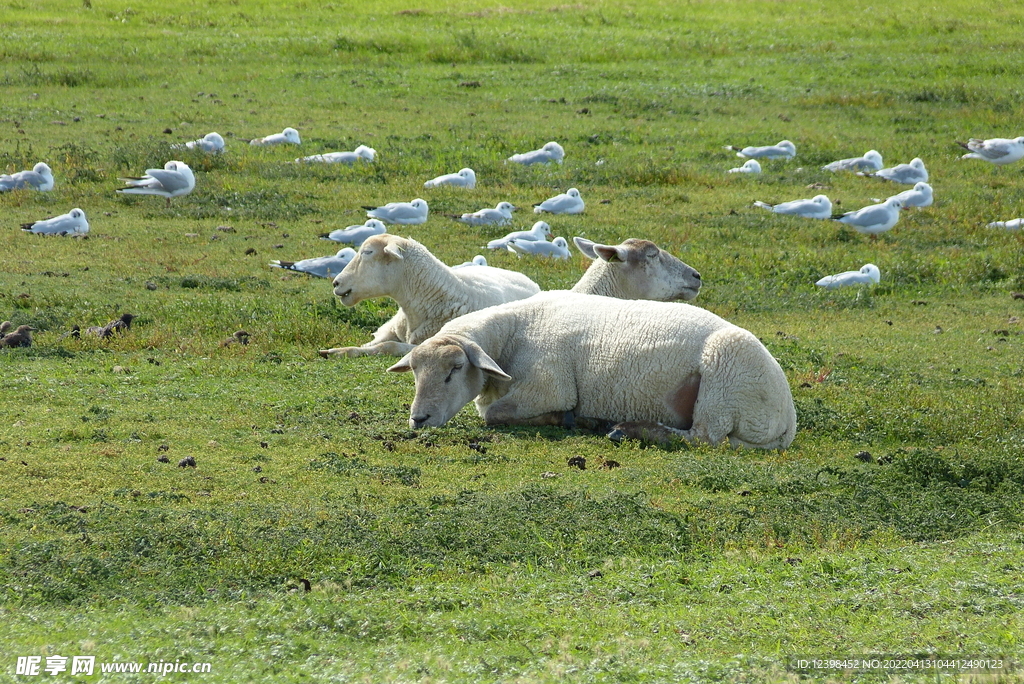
373 271
636 269
450 371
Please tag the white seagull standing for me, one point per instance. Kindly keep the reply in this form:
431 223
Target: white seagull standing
999 151
71 223
321 267
749 166
556 249
287 136
39 178
867 275
875 218
356 235
568 202
211 142
362 152
404 213
781 150
498 216
908 174
174 180
551 152
1012 224
465 178
539 232
918 196
818 207
870 161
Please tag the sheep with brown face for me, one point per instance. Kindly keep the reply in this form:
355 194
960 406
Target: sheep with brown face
636 269
429 293
559 356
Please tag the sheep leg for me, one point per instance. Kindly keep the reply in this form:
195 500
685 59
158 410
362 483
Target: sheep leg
389 348
649 431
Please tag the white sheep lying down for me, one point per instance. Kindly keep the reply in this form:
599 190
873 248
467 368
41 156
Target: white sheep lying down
636 269
429 293
558 356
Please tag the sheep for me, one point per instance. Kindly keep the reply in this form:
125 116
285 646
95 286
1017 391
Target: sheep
559 355
636 269
429 293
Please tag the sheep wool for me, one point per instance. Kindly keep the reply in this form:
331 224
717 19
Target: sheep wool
561 355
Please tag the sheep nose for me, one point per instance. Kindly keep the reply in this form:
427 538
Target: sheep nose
696 275
418 421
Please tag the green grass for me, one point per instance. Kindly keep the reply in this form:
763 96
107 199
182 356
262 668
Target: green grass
453 554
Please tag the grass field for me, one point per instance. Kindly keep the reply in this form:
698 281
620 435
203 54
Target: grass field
446 555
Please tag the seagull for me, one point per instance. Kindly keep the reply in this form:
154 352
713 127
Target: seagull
21 337
568 202
781 150
5 326
749 166
211 142
871 161
478 260
551 152
908 174
404 213
873 219
999 151
174 180
321 267
362 152
556 249
355 235
465 178
71 223
1012 224
39 178
818 207
918 196
498 216
538 233
288 135
867 275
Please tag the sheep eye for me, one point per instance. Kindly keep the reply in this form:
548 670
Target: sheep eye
449 378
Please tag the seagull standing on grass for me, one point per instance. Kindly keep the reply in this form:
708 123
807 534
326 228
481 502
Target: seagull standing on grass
870 161
362 152
498 216
873 219
780 150
539 232
551 152
174 180
749 166
321 267
556 249
999 151
403 213
908 174
568 202
356 235
39 178
71 223
818 207
867 275
21 337
465 178
288 136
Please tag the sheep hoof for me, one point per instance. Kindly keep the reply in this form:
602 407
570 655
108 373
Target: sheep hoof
618 436
643 430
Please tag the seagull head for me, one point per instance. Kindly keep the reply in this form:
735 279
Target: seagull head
420 204
468 174
874 157
377 224
560 242
821 200
77 214
505 207
555 150
894 203
917 163
572 192
367 153
291 135
871 271
43 169
788 146
541 227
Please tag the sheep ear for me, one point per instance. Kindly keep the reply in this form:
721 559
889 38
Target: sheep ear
586 246
404 365
393 251
479 358
608 253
